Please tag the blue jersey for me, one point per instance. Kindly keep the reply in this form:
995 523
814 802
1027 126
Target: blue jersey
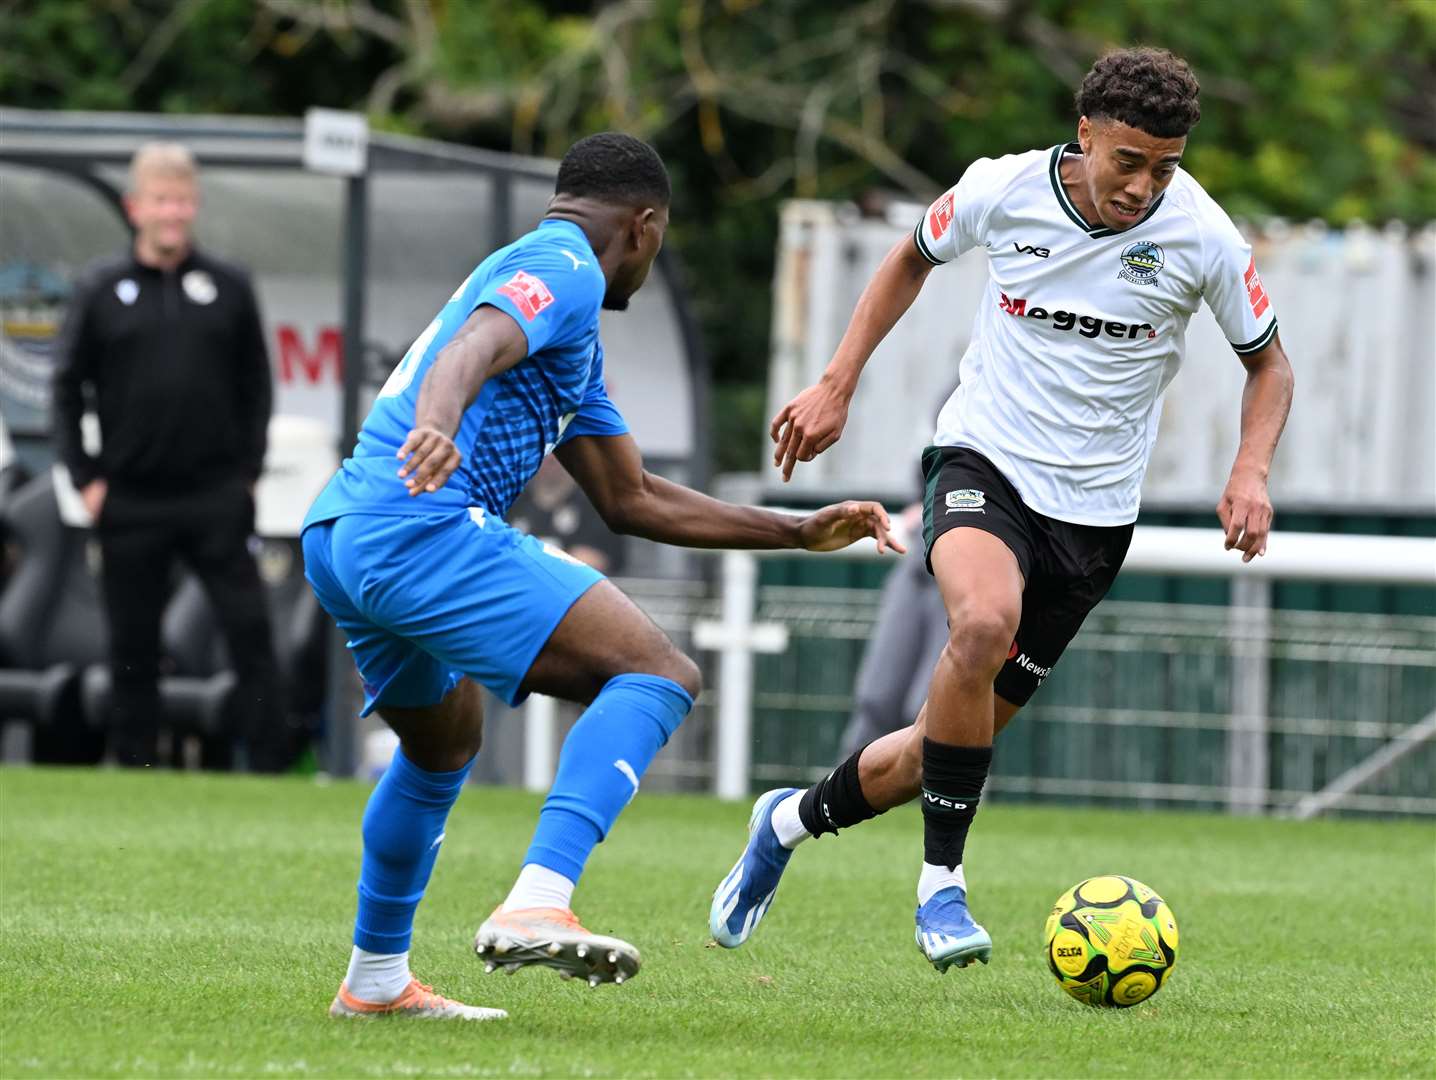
550 284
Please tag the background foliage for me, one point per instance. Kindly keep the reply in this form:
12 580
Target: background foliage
1310 109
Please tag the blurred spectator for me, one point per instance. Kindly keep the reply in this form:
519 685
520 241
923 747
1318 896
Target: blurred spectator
553 509
166 342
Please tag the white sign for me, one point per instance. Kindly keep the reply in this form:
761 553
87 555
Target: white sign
336 142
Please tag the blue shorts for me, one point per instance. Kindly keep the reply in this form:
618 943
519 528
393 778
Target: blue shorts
426 600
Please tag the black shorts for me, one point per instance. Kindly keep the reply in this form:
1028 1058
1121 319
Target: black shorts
1066 568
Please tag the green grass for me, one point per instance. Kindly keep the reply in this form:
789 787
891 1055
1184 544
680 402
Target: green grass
185 925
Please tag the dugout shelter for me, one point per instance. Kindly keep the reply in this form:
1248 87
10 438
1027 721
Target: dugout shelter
347 268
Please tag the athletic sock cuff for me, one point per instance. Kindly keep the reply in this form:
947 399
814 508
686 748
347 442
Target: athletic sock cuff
837 801
944 761
440 788
564 833
667 702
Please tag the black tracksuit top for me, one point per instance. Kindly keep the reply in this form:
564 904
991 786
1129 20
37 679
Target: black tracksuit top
177 366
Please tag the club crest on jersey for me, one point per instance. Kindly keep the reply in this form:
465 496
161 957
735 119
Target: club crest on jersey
199 287
1141 262
529 294
965 500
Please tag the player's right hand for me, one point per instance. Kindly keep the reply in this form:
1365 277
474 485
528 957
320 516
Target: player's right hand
808 425
430 458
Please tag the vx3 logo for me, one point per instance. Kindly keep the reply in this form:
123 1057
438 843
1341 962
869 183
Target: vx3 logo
1028 249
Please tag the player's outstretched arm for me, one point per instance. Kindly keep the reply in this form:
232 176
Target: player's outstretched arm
1245 509
488 344
814 420
635 502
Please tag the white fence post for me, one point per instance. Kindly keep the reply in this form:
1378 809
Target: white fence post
736 638
1247 752
540 722
735 676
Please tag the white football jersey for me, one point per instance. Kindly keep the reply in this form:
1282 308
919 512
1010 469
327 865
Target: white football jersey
1082 328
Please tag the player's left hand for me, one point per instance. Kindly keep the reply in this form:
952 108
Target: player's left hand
1245 513
845 523
430 458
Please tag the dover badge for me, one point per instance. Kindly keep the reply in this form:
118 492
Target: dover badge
965 500
1141 262
199 287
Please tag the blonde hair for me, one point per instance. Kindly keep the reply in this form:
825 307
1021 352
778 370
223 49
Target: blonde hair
162 159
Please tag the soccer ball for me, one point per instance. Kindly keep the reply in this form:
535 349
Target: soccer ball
1111 941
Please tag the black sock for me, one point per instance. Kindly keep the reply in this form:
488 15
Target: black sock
836 801
952 779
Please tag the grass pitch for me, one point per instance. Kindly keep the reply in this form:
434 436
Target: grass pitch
184 925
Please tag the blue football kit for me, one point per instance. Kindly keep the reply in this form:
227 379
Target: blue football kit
435 587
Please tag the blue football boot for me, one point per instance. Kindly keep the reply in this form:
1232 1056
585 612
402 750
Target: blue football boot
946 933
744 896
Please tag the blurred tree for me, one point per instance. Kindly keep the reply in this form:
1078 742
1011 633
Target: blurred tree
1310 109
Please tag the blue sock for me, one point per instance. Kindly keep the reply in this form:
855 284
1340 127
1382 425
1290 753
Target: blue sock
403 825
603 758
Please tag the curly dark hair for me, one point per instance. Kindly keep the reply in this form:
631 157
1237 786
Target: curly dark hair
1145 88
615 168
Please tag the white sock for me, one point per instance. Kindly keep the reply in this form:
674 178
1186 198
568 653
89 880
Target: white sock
377 978
936 878
539 887
787 824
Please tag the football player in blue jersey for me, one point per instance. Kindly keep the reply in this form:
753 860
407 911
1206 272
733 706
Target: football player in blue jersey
408 550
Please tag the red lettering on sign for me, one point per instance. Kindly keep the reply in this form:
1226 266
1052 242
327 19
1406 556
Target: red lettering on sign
295 360
940 216
529 294
1256 295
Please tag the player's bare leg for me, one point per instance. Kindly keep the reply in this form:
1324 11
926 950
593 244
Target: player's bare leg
890 768
981 587
442 737
436 745
605 653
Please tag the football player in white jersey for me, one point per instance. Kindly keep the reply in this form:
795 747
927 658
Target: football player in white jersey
1099 253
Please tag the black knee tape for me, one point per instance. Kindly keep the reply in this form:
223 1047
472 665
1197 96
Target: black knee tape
837 801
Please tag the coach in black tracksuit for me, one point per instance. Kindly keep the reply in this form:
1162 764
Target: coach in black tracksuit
167 341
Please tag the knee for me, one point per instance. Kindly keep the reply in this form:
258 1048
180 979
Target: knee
468 739
665 660
683 671
979 640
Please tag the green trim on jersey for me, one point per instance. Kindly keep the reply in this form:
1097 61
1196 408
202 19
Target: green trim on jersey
1096 232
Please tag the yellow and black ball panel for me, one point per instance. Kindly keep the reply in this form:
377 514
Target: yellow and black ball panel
1143 893
1093 991
1124 935
1166 924
1133 987
1070 957
1064 904
1102 891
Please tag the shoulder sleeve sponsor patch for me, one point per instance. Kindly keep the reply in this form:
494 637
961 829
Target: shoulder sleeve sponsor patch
1256 295
528 293
939 217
